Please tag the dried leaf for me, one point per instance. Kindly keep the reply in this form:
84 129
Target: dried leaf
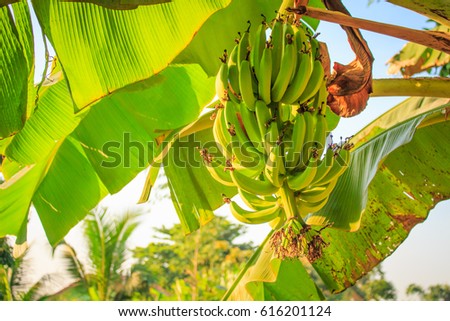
350 85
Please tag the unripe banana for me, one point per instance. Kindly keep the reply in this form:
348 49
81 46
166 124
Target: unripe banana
287 68
258 48
306 208
320 100
219 173
317 194
271 138
300 80
265 75
276 39
308 143
294 150
243 49
251 127
338 168
255 202
245 84
302 180
254 217
274 164
263 117
314 83
284 112
324 166
255 186
222 80
220 133
320 135
234 91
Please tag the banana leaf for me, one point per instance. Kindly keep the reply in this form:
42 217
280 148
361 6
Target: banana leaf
438 10
103 50
388 189
121 4
17 67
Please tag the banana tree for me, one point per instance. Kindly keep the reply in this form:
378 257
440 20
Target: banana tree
128 88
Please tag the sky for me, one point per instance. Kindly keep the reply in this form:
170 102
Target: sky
418 260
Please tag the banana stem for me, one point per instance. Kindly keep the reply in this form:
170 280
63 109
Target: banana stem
288 202
425 87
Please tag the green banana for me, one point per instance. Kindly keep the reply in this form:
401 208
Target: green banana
300 80
245 84
220 133
306 208
302 180
265 75
308 143
258 48
271 138
233 76
276 39
320 135
337 169
294 150
287 68
246 155
320 100
317 194
255 217
284 112
314 83
301 40
324 166
255 186
222 79
263 117
251 127
274 164
255 202
243 49
219 173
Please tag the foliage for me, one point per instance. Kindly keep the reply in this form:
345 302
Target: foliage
17 276
103 275
199 266
438 292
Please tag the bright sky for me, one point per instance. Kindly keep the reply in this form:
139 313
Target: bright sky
419 259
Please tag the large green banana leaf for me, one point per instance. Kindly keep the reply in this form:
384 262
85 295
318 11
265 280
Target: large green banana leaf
17 65
390 180
103 50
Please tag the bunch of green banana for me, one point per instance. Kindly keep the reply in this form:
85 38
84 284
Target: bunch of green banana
271 128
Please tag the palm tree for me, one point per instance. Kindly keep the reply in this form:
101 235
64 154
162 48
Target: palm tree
15 272
102 276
